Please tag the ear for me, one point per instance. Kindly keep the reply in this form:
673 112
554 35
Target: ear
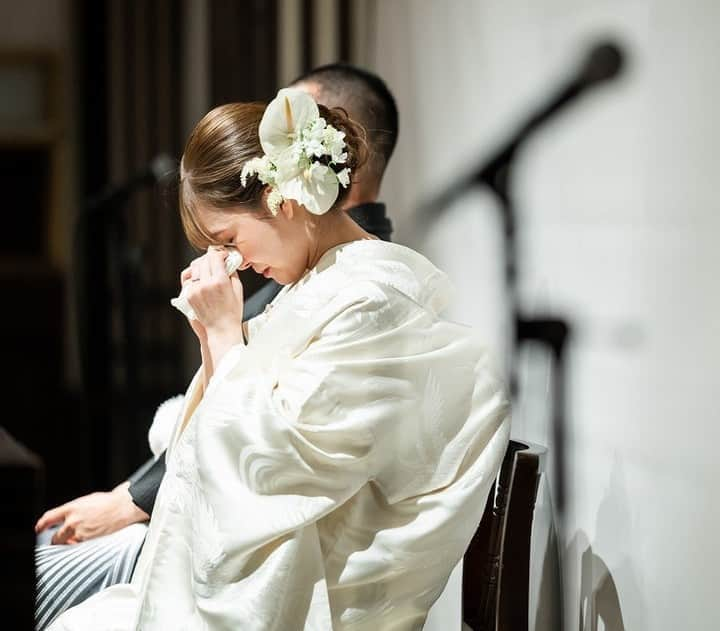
281 208
288 208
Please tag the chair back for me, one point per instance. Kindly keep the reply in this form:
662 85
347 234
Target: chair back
496 565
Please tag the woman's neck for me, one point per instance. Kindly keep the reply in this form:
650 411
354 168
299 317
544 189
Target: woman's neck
332 230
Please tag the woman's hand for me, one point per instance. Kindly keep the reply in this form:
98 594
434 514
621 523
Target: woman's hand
217 300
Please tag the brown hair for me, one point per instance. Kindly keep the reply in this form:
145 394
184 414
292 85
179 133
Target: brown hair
221 143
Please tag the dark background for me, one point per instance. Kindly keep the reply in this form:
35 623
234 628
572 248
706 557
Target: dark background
91 345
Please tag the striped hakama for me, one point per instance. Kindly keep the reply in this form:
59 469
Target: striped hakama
68 574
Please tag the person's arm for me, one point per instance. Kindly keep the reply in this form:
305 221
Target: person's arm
144 489
371 388
92 515
270 462
218 302
144 485
104 513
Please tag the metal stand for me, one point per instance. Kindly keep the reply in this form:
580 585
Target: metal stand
603 62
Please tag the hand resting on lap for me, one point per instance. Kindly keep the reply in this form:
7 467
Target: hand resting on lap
92 515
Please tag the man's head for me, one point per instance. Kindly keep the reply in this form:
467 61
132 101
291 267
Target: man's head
366 98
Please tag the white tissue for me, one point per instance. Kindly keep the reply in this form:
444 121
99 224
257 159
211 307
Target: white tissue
233 261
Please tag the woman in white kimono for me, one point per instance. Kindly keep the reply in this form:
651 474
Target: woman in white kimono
332 461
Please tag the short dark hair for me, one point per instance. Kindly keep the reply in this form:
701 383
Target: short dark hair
367 99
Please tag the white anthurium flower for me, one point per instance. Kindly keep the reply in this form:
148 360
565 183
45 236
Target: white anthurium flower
287 114
316 188
293 136
295 152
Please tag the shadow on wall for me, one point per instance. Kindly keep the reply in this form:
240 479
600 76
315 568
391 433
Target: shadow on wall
599 596
545 546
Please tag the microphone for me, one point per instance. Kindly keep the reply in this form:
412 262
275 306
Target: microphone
603 62
161 169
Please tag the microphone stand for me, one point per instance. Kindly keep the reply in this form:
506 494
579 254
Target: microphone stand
551 331
603 62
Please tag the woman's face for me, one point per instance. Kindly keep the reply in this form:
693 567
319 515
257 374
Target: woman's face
276 247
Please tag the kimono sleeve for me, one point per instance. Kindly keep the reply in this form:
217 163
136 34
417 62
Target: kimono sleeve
277 450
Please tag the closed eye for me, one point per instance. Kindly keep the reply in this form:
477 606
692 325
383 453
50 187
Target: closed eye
222 241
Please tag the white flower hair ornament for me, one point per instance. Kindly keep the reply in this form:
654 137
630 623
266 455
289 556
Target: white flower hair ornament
294 137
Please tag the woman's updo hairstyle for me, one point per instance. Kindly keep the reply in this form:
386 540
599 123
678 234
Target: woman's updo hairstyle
222 142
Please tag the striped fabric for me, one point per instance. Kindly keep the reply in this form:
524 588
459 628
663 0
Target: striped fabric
68 574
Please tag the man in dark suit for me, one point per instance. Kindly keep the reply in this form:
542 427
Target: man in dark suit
367 99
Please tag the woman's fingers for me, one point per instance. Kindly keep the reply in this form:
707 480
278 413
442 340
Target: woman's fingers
216 262
208 265
204 267
185 275
216 298
237 288
195 269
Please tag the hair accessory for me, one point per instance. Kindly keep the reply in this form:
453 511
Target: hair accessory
295 138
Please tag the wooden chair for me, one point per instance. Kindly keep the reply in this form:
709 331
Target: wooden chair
496 566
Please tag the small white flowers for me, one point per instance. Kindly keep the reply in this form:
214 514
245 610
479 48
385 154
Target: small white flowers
311 139
294 138
262 166
274 200
334 142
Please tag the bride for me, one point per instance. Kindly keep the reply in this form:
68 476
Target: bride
332 460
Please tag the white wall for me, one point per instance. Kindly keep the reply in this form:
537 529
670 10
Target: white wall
619 219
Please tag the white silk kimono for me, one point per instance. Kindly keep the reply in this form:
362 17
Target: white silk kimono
333 472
